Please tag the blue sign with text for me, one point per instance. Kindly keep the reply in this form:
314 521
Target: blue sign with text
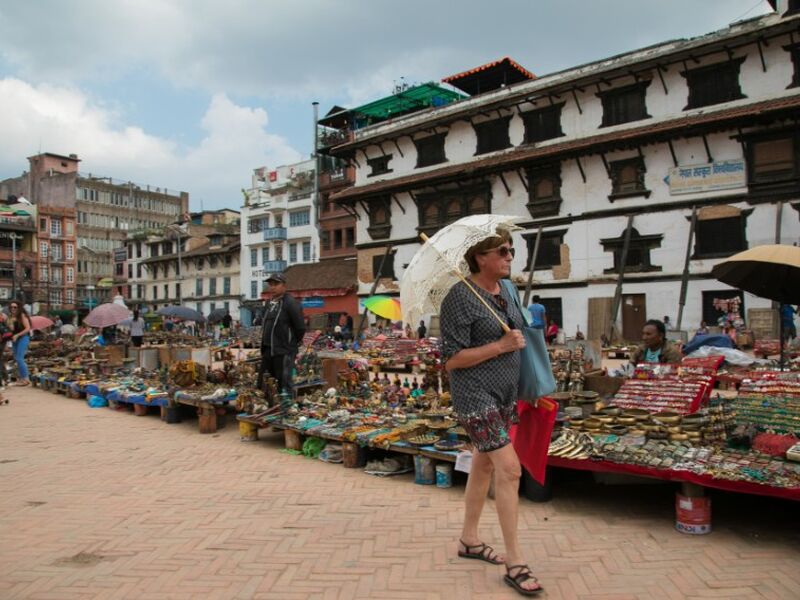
315 302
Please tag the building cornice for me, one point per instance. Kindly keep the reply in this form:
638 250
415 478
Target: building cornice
698 122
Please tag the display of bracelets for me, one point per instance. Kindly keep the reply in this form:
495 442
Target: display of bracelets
780 414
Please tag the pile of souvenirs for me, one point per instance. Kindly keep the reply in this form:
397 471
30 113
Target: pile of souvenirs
665 418
378 413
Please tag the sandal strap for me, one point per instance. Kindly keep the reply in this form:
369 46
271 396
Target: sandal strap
481 550
524 573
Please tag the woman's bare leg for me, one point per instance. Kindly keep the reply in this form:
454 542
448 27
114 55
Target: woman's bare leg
475 496
507 472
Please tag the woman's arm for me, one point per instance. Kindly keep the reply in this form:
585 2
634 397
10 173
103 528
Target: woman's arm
469 357
26 324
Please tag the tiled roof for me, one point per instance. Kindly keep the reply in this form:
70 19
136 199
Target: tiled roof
334 273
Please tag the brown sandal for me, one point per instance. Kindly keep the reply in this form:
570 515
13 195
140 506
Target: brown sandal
483 552
524 574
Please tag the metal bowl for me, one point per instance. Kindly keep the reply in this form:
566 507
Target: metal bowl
668 417
593 424
637 413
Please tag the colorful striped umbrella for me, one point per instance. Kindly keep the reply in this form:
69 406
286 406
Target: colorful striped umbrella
384 306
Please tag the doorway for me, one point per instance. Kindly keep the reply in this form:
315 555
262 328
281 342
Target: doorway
634 316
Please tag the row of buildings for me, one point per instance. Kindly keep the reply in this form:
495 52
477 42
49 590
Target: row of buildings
652 165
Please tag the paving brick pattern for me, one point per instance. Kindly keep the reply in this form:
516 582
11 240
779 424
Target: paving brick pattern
102 504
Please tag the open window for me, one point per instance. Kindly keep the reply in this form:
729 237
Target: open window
543 123
379 165
549 254
492 135
430 150
625 104
388 266
721 237
714 84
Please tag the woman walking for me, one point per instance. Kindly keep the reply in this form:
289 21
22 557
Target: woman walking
20 324
137 329
483 363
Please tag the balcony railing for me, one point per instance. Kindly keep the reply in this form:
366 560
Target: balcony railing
275 266
19 222
275 233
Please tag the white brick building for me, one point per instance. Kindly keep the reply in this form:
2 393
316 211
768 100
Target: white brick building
707 123
278 224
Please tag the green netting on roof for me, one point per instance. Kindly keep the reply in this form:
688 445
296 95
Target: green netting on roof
415 98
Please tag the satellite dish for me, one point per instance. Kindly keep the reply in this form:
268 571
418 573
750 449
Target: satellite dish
24 200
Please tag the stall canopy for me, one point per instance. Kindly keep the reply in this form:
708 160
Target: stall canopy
490 76
404 101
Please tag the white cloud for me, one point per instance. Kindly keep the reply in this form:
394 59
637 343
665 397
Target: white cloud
332 50
64 120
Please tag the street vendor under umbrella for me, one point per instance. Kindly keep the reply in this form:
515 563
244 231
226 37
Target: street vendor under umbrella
282 330
655 347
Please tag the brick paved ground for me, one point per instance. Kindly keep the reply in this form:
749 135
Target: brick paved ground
100 504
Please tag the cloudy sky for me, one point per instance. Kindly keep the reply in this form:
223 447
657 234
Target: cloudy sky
194 94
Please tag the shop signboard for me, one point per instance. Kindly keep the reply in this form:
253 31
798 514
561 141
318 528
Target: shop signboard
313 302
120 255
709 177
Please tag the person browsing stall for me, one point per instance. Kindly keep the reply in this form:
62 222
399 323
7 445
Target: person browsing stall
282 330
538 313
655 348
484 363
137 329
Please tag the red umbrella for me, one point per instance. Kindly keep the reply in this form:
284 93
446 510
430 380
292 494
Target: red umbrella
39 322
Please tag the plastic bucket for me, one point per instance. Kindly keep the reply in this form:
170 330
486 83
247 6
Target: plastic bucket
692 515
444 475
424 473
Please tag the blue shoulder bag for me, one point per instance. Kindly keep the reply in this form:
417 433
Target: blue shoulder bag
535 373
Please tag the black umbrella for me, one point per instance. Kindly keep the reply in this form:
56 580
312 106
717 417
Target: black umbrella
216 315
182 312
771 272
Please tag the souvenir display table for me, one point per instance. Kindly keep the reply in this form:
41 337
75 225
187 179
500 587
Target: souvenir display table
664 424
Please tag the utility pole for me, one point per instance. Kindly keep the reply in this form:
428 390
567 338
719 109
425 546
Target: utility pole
685 276
316 210
531 268
620 278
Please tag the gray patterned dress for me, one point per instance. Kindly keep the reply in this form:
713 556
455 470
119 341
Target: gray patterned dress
485 395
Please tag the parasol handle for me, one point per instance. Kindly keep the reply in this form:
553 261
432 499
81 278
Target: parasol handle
455 272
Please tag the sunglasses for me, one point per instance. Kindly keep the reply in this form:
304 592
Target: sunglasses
503 251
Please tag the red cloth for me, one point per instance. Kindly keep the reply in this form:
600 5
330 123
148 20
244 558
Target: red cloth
531 437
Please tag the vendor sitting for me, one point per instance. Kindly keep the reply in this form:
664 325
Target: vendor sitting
656 348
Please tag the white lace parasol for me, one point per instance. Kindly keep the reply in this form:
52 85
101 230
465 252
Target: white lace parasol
431 272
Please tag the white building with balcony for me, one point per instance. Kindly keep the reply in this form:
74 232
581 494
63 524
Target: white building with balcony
635 143
279 225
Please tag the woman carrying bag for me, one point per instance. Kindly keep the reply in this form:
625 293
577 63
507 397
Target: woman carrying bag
481 350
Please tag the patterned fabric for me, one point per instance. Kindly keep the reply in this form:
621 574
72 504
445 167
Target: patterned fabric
485 395
489 431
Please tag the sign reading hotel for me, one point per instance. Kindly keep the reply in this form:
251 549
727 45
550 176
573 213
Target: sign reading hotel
722 175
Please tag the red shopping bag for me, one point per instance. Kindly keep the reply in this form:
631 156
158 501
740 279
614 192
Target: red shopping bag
531 437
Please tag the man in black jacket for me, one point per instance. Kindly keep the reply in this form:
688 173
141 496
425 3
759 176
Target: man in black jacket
282 330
